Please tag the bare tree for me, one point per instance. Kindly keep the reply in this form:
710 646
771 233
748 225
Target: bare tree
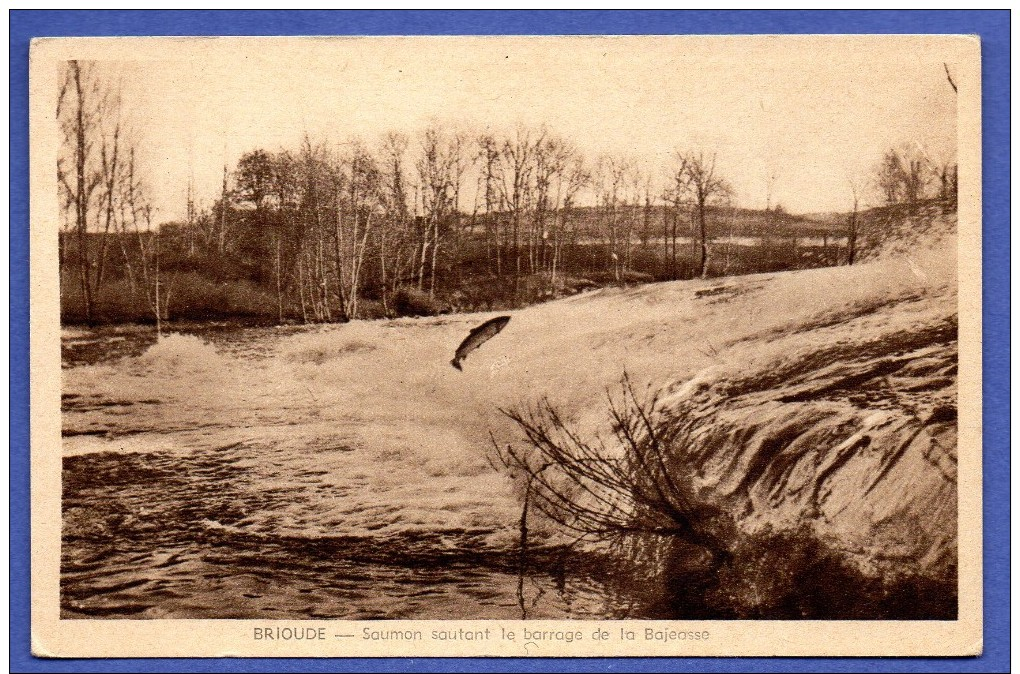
283 191
915 173
516 176
646 214
573 178
560 175
851 234
358 204
113 179
98 179
887 178
611 181
134 212
904 175
391 237
948 175
549 164
695 176
670 197
488 157
86 163
441 164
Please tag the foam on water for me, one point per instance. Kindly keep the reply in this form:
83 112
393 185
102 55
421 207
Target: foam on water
359 428
177 354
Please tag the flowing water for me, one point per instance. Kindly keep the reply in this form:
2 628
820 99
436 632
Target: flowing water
321 472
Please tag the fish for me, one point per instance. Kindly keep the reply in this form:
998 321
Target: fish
478 336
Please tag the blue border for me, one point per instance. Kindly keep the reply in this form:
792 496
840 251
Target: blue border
991 26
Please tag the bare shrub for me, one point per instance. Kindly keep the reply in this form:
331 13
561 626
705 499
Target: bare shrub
609 489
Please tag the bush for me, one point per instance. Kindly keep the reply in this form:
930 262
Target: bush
370 309
605 493
792 574
192 296
413 302
117 302
631 276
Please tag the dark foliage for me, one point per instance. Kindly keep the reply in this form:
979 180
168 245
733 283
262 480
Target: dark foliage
792 574
414 302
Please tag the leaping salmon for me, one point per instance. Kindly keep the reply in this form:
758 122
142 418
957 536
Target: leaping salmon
478 336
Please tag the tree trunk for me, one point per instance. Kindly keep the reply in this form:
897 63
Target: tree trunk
665 240
382 269
676 224
338 241
81 197
499 246
703 267
301 287
435 254
851 243
111 185
279 283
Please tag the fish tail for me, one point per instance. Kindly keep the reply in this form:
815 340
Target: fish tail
456 363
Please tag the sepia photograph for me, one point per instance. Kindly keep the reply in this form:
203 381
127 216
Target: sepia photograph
469 336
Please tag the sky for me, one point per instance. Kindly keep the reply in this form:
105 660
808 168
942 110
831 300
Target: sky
812 113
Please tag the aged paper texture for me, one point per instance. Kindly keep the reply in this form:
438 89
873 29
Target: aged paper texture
536 346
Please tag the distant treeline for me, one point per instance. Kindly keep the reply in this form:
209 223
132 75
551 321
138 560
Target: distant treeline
327 232
270 279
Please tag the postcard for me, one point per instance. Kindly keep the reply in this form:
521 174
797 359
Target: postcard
506 346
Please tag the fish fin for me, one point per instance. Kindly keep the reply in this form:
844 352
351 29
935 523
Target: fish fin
456 364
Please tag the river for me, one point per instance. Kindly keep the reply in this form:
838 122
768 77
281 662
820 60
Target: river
297 472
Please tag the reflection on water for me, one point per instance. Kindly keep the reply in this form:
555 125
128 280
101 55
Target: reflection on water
227 480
